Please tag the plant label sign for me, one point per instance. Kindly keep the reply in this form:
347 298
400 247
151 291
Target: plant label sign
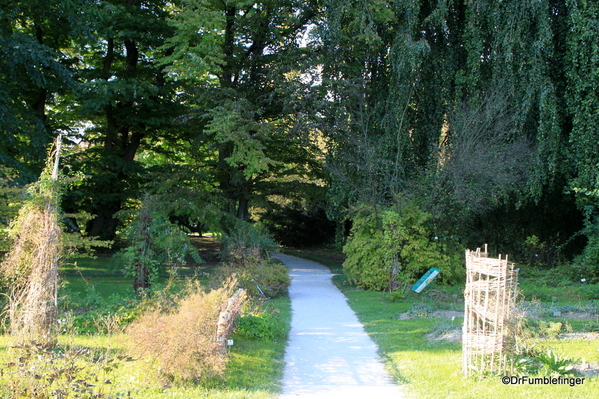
425 279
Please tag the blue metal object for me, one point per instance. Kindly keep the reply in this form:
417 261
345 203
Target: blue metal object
425 279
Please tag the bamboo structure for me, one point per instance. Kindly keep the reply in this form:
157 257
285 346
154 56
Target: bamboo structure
489 306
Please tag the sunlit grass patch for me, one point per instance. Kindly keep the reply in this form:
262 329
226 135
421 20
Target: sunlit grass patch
433 369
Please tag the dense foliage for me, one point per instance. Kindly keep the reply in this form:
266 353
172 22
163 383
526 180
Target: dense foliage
390 249
482 113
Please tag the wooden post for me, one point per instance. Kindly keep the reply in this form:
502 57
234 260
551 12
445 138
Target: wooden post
226 319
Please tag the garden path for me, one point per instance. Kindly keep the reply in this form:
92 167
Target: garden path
329 355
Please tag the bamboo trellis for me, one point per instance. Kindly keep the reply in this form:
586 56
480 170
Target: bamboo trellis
489 299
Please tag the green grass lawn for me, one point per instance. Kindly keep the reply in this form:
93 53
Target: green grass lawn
432 369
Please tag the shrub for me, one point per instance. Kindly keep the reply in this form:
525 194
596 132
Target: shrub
260 325
267 277
247 243
391 248
155 243
368 262
247 255
544 363
531 328
182 339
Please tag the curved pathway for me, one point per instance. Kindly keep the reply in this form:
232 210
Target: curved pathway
329 355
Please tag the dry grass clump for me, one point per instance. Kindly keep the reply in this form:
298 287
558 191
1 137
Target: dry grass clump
182 339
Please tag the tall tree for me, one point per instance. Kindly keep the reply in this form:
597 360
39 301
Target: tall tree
413 85
583 101
242 62
126 104
388 70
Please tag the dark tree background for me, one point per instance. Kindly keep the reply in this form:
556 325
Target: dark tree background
482 113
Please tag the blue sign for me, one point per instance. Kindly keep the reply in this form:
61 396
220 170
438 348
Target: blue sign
425 280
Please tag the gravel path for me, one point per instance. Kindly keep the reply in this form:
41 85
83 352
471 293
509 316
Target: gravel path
328 355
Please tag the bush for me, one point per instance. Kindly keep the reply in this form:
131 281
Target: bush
368 262
266 277
248 243
155 244
531 328
544 363
247 255
390 249
259 325
182 339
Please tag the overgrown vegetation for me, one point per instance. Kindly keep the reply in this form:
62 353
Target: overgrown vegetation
246 253
388 249
179 334
30 271
63 371
115 343
171 333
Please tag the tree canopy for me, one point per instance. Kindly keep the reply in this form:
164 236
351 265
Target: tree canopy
481 114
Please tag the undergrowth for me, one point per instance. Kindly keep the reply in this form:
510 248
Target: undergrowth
179 334
247 254
40 371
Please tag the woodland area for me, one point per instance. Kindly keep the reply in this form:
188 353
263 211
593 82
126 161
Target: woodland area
420 127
